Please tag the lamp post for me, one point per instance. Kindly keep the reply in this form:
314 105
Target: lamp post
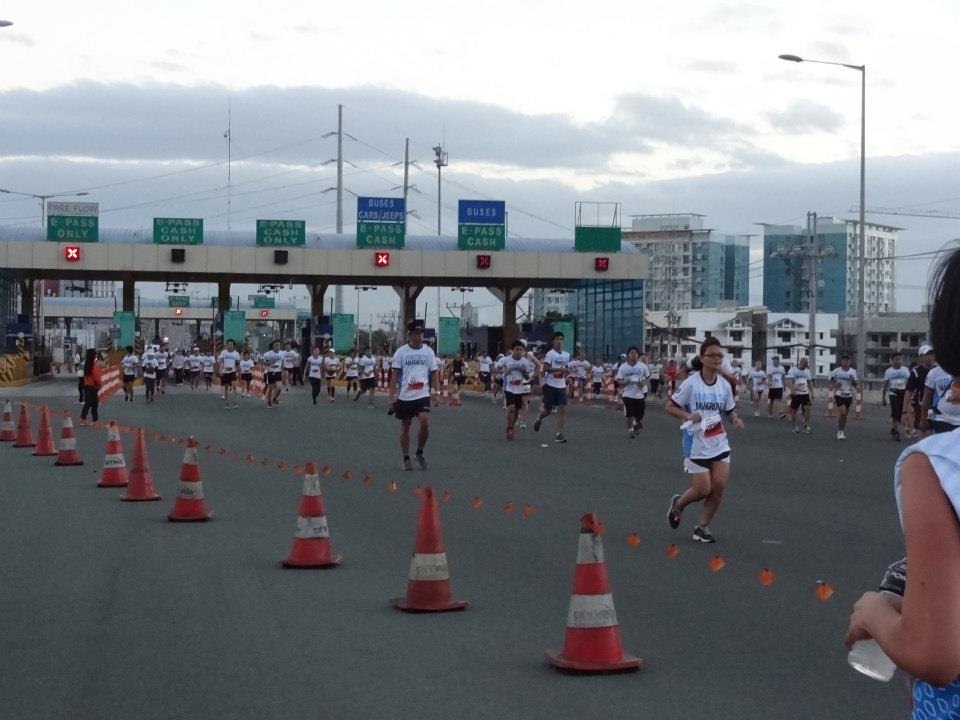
862 244
43 200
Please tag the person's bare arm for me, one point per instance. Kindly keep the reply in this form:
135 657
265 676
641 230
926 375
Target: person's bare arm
924 638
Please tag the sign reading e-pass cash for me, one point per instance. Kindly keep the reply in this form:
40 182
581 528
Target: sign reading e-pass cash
281 232
73 221
381 222
178 231
482 225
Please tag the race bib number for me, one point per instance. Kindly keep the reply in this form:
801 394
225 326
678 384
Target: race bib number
558 373
416 385
713 427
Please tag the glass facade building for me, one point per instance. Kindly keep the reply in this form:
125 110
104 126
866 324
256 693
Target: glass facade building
609 316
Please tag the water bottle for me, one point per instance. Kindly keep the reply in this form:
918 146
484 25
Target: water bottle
866 656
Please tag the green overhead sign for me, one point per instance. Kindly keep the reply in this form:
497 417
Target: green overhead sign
262 302
281 233
73 228
178 231
481 237
178 301
596 239
381 235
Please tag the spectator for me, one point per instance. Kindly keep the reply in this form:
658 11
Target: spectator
91 387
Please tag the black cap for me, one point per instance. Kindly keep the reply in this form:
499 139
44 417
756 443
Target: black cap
415 325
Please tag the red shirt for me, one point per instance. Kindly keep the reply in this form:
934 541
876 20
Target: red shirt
93 378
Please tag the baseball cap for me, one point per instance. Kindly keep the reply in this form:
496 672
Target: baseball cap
925 350
415 326
330 350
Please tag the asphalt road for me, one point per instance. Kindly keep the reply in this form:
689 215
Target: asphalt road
109 611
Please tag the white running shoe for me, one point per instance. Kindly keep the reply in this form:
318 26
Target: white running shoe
841 435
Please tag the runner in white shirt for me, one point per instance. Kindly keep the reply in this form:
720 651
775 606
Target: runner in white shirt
527 387
386 363
246 372
516 369
581 369
315 373
273 367
196 364
632 378
895 383
179 360
331 369
656 370
484 367
699 401
207 362
368 379
596 377
287 366
775 374
163 359
936 388
843 382
800 384
148 361
496 373
758 384
413 387
128 366
352 364
555 371
228 362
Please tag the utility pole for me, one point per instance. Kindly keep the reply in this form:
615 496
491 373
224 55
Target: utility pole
812 256
441 161
406 180
338 290
229 136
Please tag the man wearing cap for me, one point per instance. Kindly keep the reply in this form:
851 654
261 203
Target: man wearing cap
331 368
413 388
915 386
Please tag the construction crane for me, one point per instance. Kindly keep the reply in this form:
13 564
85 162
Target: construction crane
946 214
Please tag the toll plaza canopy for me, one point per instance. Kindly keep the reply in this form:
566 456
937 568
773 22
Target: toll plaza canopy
132 254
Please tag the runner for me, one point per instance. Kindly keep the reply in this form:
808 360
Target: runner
497 373
296 372
528 387
163 359
670 374
287 365
368 380
596 374
386 363
699 402
800 385
196 364
936 388
179 359
843 381
915 388
273 366
632 378
775 373
656 370
315 373
148 361
484 364
516 371
228 362
457 372
246 373
352 364
582 368
207 363
128 366
414 373
758 384
331 368
554 368
895 384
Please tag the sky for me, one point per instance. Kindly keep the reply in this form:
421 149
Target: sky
673 108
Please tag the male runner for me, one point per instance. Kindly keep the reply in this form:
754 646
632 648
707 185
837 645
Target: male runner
315 372
895 384
758 384
287 366
352 364
413 388
456 369
368 381
775 373
555 370
484 363
915 387
148 361
246 372
273 365
128 366
516 370
632 378
936 387
163 359
596 376
800 384
178 362
208 361
227 363
843 382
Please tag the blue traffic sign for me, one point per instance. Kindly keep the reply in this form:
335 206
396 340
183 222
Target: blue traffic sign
482 212
377 209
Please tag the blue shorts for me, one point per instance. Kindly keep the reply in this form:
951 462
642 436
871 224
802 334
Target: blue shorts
554 396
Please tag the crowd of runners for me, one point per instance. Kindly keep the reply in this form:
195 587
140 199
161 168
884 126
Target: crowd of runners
701 392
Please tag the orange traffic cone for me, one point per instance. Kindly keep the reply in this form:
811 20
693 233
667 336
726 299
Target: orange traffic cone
189 505
140 487
114 473
45 446
311 542
428 589
858 408
24 434
592 642
68 454
8 431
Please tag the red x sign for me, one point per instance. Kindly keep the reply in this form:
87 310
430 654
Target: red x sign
483 262
264 313
601 264
382 259
71 253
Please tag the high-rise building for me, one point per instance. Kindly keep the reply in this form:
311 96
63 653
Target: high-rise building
786 267
609 316
689 268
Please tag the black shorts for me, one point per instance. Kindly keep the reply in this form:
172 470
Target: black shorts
227 379
274 377
161 373
368 384
129 378
554 396
208 377
459 379
707 462
654 386
484 376
409 409
498 381
842 401
597 387
513 400
896 404
353 379
776 393
797 401
634 407
246 377
758 393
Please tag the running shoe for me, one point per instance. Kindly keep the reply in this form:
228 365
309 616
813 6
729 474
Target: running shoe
559 438
807 430
896 436
407 464
537 423
421 460
523 426
633 432
674 514
796 429
509 433
756 413
840 435
701 533
781 416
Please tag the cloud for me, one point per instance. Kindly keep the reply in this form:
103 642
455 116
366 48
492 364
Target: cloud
167 66
16 38
307 29
711 66
831 51
804 116
736 16
259 37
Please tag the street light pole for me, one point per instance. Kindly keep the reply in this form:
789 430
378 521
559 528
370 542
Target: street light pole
43 200
862 229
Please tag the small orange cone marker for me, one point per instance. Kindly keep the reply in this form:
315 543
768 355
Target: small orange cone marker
45 446
311 542
114 473
140 486
68 454
189 505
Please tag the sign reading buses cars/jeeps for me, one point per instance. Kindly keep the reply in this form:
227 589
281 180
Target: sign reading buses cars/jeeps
381 222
